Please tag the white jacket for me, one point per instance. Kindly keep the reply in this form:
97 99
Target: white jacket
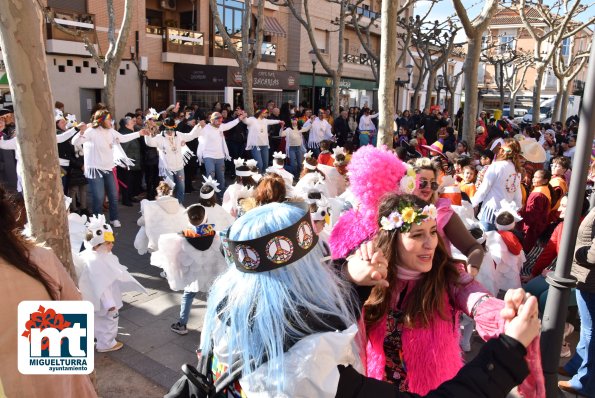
171 157
501 181
321 130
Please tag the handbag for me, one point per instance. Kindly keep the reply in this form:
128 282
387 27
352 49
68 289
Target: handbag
199 384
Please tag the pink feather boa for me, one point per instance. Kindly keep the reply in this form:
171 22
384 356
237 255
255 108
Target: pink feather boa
373 172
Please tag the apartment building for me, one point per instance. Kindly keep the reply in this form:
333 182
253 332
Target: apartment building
174 53
507 30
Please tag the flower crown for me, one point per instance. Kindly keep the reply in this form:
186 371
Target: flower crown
406 215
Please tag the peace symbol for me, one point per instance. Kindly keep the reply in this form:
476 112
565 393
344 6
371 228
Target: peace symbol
305 235
248 257
279 249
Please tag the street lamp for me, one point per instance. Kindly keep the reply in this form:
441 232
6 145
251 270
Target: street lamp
439 86
403 83
313 59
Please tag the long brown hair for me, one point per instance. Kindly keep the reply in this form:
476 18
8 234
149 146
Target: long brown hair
271 188
428 297
16 249
511 150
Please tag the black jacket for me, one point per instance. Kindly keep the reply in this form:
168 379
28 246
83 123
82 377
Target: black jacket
342 130
499 366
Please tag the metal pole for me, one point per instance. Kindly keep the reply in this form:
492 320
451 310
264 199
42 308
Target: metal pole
313 86
556 307
398 91
438 95
502 86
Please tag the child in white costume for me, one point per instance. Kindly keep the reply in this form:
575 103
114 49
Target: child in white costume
244 178
102 281
161 216
278 167
191 260
310 175
215 213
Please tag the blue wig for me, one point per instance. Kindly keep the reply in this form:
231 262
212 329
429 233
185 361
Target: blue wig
253 315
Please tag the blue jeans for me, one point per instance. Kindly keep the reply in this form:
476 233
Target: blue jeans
539 288
185 306
99 186
296 158
261 155
582 363
216 169
180 188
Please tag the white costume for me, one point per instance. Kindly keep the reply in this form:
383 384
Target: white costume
286 175
230 197
218 217
186 267
335 181
173 153
258 134
508 265
161 216
102 280
320 130
301 188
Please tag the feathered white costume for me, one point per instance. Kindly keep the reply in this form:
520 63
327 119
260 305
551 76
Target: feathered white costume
102 280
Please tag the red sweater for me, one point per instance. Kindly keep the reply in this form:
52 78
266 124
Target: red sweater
550 251
325 158
535 217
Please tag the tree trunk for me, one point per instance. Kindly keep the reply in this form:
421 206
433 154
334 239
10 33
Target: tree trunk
564 102
388 69
336 93
512 101
248 92
559 93
540 69
36 137
110 74
430 88
471 67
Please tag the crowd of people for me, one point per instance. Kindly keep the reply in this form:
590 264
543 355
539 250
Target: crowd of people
382 260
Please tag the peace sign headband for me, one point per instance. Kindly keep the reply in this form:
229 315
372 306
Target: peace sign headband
274 250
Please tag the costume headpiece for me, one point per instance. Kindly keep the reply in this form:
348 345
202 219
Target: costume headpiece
314 189
58 115
212 183
169 123
409 181
406 215
322 210
274 250
279 155
238 162
309 155
437 147
101 119
216 115
252 163
101 230
170 182
338 151
244 192
70 120
152 114
511 208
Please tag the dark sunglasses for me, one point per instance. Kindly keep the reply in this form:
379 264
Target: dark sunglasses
424 183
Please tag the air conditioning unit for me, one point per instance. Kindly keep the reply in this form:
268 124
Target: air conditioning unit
168 4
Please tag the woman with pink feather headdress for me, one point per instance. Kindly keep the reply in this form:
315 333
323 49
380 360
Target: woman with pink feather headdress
434 347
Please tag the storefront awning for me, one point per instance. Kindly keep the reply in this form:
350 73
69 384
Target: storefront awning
273 27
4 79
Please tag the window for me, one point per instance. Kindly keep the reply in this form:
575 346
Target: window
565 51
320 37
506 43
154 17
188 20
231 13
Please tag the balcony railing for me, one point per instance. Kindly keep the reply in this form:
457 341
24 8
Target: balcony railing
360 59
183 41
154 30
268 50
74 21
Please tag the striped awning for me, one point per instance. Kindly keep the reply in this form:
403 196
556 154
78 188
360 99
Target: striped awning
273 27
4 79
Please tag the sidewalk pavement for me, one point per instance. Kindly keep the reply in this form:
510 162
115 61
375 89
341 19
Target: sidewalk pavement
150 347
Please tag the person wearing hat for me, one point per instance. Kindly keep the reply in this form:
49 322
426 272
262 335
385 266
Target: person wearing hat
102 151
64 131
278 308
212 148
173 153
258 136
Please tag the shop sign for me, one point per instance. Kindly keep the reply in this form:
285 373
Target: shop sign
271 79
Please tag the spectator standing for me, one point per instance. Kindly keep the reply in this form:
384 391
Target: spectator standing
130 177
341 128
